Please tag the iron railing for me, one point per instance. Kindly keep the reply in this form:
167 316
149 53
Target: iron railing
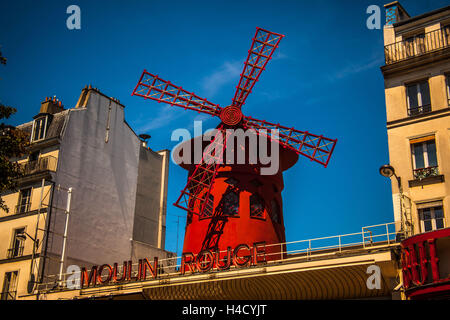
8 295
413 111
422 173
22 208
15 252
417 45
47 163
370 237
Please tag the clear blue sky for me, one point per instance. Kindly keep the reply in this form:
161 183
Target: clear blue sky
325 78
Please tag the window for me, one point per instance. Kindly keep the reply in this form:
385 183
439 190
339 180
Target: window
275 211
418 98
10 286
24 201
17 244
256 206
33 156
39 129
431 218
256 183
230 203
423 152
415 45
448 88
446 34
232 181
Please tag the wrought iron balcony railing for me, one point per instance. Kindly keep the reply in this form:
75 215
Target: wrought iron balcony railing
22 208
15 252
422 173
47 163
413 111
417 45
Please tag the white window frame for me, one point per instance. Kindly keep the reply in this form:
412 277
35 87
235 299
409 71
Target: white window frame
432 219
34 128
19 200
425 154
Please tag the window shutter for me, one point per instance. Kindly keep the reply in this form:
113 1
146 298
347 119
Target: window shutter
421 139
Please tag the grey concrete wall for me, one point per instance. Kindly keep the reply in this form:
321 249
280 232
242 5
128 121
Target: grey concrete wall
103 176
148 193
142 250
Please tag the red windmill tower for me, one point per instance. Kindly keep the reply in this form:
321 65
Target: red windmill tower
231 204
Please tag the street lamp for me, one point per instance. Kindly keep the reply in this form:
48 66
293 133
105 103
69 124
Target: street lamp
388 171
23 236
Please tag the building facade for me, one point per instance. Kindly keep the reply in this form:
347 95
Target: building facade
406 259
417 89
116 184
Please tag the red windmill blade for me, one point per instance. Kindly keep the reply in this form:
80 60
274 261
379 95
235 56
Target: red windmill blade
315 147
195 194
151 86
263 46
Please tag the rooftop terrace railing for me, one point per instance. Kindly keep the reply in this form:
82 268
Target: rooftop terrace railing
417 45
371 237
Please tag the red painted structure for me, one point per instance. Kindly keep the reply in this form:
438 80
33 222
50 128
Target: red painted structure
259 214
220 213
426 265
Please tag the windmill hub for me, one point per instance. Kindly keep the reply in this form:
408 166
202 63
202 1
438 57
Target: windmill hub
231 115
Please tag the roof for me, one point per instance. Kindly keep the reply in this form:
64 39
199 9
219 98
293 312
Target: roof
424 15
55 127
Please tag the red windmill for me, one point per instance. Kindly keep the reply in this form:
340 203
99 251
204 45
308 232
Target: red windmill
230 204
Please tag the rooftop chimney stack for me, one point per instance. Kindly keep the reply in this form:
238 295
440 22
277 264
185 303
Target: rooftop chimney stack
51 105
395 13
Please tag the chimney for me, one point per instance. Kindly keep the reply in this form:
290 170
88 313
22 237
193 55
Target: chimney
144 139
395 13
51 105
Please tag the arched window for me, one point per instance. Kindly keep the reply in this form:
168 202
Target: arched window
231 203
256 206
275 211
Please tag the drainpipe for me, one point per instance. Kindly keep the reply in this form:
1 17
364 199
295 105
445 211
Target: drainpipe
63 253
162 198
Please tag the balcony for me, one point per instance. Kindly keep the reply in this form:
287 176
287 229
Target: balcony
418 45
15 252
43 164
414 111
425 176
423 173
22 208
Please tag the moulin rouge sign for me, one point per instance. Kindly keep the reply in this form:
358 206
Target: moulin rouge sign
241 256
420 261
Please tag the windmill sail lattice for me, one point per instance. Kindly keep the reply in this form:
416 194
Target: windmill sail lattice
195 196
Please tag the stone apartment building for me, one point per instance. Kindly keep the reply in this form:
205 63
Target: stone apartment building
118 194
